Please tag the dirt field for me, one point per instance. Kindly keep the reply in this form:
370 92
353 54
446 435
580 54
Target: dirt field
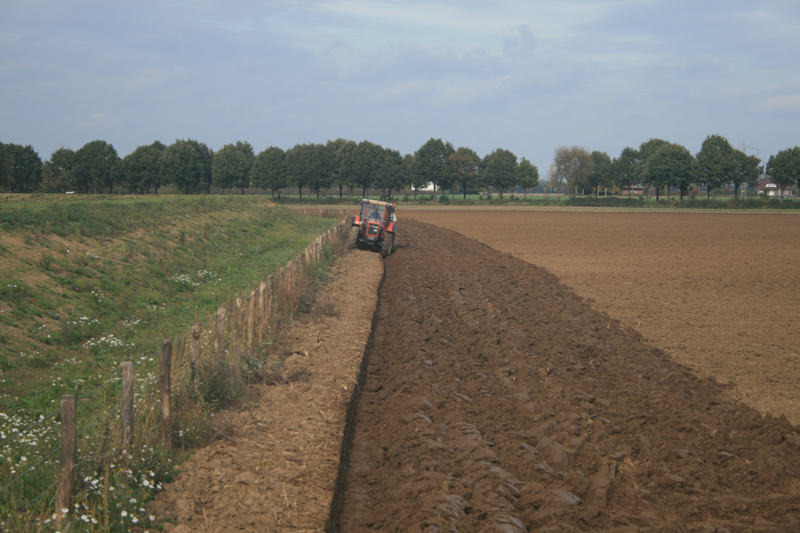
500 397
718 292
497 400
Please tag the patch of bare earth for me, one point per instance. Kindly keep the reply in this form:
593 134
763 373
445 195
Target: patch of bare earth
276 468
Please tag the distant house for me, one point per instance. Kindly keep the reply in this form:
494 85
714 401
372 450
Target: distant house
637 189
765 186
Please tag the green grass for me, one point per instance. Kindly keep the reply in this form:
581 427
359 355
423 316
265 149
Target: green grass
556 200
86 283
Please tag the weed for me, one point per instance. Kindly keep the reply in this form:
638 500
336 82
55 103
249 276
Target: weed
46 262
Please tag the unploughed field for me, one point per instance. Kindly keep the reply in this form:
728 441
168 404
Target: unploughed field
499 397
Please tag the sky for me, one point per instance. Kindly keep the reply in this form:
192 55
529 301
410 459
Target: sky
526 76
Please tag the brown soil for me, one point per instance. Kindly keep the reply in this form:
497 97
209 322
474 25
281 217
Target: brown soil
277 467
716 291
498 400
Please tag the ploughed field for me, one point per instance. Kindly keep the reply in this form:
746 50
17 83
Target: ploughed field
719 292
498 399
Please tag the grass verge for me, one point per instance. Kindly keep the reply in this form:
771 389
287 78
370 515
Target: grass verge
88 283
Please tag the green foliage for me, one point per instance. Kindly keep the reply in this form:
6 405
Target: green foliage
717 162
187 165
140 168
20 168
232 165
308 165
269 169
499 170
748 170
430 164
572 165
784 168
670 165
601 175
527 175
463 165
93 167
626 170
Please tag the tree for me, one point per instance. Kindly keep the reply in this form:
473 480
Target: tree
601 171
406 169
625 170
93 166
671 164
527 176
717 163
269 169
390 175
306 164
646 149
341 153
463 165
249 157
784 168
232 166
188 164
430 164
748 169
367 159
57 171
573 165
499 170
140 168
320 174
20 168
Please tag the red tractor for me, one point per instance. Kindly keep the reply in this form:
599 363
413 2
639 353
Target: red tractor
374 226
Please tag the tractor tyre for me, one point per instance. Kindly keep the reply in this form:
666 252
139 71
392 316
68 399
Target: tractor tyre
388 244
352 240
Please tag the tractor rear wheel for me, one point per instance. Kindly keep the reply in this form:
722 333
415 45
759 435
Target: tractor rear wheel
352 240
388 244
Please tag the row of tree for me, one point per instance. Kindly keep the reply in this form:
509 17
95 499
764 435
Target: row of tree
662 165
192 167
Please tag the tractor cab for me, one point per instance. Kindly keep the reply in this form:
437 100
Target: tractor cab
374 226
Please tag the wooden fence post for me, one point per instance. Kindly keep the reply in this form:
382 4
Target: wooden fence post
66 469
251 321
221 312
194 355
239 320
166 392
126 408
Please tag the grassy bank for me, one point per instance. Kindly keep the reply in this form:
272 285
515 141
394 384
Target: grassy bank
89 282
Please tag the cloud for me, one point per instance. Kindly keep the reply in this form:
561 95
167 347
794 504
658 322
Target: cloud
99 121
786 102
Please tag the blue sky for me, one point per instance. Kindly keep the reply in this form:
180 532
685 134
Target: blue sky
525 76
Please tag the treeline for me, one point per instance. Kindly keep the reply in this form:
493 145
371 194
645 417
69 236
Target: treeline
662 166
192 167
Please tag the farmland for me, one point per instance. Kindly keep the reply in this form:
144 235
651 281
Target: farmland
497 398
716 291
